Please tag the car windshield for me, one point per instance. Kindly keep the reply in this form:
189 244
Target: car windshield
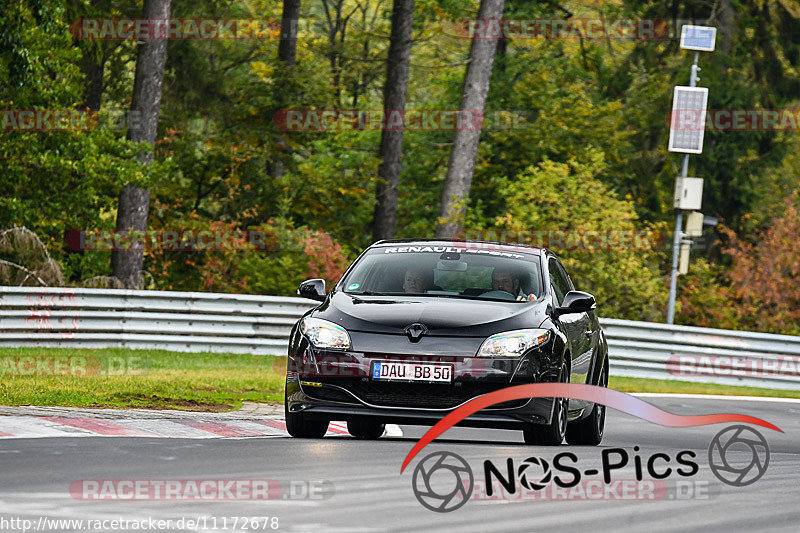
447 271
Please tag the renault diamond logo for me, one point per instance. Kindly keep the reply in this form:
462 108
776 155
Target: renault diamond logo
416 331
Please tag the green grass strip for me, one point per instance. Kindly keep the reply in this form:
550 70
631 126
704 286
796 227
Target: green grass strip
158 379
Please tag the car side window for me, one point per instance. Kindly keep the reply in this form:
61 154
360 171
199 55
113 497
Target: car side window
558 280
570 285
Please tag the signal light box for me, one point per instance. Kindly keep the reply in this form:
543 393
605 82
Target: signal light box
688 193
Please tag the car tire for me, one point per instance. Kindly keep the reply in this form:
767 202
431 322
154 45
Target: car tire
365 429
299 425
551 434
589 431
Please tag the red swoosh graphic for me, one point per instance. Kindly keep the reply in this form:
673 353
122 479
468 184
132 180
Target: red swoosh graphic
591 393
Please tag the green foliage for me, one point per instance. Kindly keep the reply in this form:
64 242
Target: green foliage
586 151
57 181
569 197
750 69
331 187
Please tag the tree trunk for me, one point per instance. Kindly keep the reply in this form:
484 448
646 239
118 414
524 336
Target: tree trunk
727 25
336 29
92 63
287 48
287 54
384 221
93 68
134 202
465 144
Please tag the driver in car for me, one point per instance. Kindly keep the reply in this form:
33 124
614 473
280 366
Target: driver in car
505 280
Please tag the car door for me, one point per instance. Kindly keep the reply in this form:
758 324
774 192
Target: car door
577 326
591 333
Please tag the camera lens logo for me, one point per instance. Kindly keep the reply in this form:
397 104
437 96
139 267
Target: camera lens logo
527 473
443 482
738 455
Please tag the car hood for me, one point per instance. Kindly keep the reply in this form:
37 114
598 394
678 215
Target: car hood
442 316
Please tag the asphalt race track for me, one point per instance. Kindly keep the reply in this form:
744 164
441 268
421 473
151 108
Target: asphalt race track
356 486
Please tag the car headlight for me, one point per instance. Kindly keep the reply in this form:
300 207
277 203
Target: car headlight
325 334
513 343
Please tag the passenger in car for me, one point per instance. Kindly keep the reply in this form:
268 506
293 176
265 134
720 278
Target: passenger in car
419 281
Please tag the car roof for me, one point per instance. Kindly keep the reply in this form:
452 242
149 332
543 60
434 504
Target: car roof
494 245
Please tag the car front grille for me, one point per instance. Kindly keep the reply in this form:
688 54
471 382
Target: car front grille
423 395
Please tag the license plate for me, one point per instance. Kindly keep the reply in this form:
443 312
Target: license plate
402 371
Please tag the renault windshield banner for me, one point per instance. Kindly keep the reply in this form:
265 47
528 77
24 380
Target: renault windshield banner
560 479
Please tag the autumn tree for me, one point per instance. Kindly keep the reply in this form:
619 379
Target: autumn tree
761 289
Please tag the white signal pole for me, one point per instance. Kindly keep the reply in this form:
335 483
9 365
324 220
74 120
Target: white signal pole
676 242
687 99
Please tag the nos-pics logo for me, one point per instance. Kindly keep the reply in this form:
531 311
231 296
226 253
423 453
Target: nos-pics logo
443 481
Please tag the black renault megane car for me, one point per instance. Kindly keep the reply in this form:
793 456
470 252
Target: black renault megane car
416 328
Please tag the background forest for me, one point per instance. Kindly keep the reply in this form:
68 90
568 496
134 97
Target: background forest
587 150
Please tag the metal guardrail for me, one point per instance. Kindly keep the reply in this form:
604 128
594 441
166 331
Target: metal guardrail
237 323
706 355
177 321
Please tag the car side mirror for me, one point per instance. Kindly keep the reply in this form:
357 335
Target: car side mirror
576 302
313 289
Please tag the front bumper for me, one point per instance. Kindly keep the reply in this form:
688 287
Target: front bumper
533 411
336 385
